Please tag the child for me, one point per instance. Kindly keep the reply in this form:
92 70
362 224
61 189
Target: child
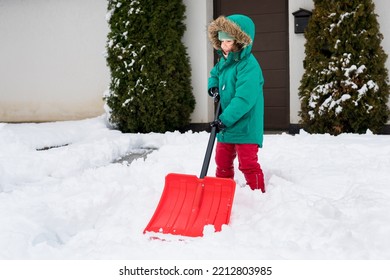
237 80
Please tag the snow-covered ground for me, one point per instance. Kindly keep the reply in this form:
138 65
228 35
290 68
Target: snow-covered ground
327 197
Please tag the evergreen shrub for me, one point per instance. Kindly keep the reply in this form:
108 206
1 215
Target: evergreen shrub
345 84
150 88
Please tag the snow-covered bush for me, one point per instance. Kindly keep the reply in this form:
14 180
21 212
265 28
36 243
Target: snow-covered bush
345 85
150 88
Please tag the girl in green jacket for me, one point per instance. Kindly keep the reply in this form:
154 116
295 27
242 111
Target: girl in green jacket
237 80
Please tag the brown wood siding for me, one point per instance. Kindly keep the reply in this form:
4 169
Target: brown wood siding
271 50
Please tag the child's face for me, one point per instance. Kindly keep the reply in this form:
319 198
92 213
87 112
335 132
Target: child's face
227 46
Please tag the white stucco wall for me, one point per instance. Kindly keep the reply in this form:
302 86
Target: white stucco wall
52 65
297 55
51 59
382 8
198 15
297 50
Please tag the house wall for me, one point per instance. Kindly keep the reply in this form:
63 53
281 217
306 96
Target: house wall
297 50
52 65
198 15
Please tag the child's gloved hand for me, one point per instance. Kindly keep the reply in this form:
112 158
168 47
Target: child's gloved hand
218 125
214 93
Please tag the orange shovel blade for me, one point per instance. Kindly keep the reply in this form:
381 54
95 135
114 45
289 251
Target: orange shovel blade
188 203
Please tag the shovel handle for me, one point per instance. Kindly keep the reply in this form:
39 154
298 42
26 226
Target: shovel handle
210 145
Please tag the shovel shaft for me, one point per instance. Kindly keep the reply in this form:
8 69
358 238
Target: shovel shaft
210 146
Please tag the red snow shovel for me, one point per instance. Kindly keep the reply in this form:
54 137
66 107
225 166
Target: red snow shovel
188 203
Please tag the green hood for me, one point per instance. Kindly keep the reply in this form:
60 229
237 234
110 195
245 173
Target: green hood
240 27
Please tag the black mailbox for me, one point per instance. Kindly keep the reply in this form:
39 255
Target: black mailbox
301 19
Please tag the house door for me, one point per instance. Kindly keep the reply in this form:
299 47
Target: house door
271 50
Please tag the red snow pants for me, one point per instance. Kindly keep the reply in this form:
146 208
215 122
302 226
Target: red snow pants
247 163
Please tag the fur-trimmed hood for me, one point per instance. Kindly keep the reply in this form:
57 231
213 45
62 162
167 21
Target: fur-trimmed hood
240 27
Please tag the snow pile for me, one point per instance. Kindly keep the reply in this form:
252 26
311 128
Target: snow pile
65 195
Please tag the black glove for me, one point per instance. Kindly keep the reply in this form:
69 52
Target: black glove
214 93
218 125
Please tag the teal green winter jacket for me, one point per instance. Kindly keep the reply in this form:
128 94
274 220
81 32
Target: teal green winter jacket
240 81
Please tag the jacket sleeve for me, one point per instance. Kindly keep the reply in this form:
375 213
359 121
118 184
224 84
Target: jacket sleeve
249 87
213 79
